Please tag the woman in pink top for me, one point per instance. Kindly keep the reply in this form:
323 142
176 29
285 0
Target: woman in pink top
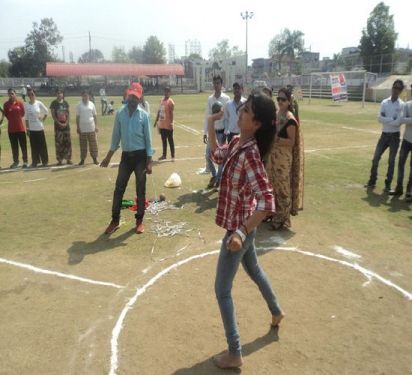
165 119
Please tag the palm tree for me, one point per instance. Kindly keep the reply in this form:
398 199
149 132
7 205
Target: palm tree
287 44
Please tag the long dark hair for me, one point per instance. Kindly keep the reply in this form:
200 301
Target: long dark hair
264 112
288 94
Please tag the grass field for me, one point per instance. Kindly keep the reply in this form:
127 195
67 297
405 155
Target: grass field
343 273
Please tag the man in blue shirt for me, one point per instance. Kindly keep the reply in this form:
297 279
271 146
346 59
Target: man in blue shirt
132 130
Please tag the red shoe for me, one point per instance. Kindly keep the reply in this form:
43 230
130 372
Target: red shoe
139 227
113 227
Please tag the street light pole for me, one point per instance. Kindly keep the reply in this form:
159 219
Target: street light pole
246 16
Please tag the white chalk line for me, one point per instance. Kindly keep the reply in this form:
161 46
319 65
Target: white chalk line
187 128
364 271
119 324
362 130
114 360
346 253
336 148
36 179
59 274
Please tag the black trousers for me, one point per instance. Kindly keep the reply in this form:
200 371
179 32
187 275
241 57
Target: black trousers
130 162
15 140
386 140
167 135
38 147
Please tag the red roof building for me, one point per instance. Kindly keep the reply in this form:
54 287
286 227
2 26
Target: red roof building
113 70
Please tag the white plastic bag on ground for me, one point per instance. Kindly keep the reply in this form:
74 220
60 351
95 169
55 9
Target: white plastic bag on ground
173 181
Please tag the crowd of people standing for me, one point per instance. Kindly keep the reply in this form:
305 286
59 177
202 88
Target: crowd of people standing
26 119
284 161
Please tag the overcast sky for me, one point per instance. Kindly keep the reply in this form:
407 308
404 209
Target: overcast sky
328 25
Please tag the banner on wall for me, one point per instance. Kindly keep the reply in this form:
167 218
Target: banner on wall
339 87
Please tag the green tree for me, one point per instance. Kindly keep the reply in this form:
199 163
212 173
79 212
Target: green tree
377 43
337 61
135 55
40 45
119 55
153 51
31 59
223 51
287 44
20 62
93 56
4 68
195 56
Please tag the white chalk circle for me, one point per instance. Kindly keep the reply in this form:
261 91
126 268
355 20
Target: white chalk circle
114 361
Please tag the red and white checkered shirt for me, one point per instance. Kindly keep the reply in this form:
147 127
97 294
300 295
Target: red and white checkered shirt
244 185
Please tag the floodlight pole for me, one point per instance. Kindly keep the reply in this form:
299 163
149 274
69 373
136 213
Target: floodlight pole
246 16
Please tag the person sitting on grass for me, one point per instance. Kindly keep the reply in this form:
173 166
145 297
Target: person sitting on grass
110 109
245 199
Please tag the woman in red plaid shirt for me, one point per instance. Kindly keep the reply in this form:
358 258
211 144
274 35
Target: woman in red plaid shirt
245 199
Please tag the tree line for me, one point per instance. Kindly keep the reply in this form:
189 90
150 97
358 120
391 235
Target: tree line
376 44
40 44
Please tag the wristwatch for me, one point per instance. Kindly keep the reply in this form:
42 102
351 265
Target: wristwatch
241 235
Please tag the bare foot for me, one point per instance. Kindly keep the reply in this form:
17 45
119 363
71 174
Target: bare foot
277 318
228 360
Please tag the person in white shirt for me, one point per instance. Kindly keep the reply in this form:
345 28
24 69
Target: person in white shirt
23 92
406 149
36 112
231 115
86 121
144 104
222 98
103 100
110 109
390 116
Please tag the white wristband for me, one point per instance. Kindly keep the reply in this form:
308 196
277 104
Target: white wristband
241 235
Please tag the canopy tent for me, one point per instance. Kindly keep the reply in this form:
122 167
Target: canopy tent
113 70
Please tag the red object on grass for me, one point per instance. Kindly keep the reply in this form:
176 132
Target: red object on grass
134 207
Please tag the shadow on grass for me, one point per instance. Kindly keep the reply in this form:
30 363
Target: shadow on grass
393 203
207 366
374 199
204 199
79 249
396 205
267 237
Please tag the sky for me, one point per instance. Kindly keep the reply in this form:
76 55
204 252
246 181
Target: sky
328 26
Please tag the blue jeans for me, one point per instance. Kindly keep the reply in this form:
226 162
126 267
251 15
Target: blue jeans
227 267
406 149
130 162
221 139
386 140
